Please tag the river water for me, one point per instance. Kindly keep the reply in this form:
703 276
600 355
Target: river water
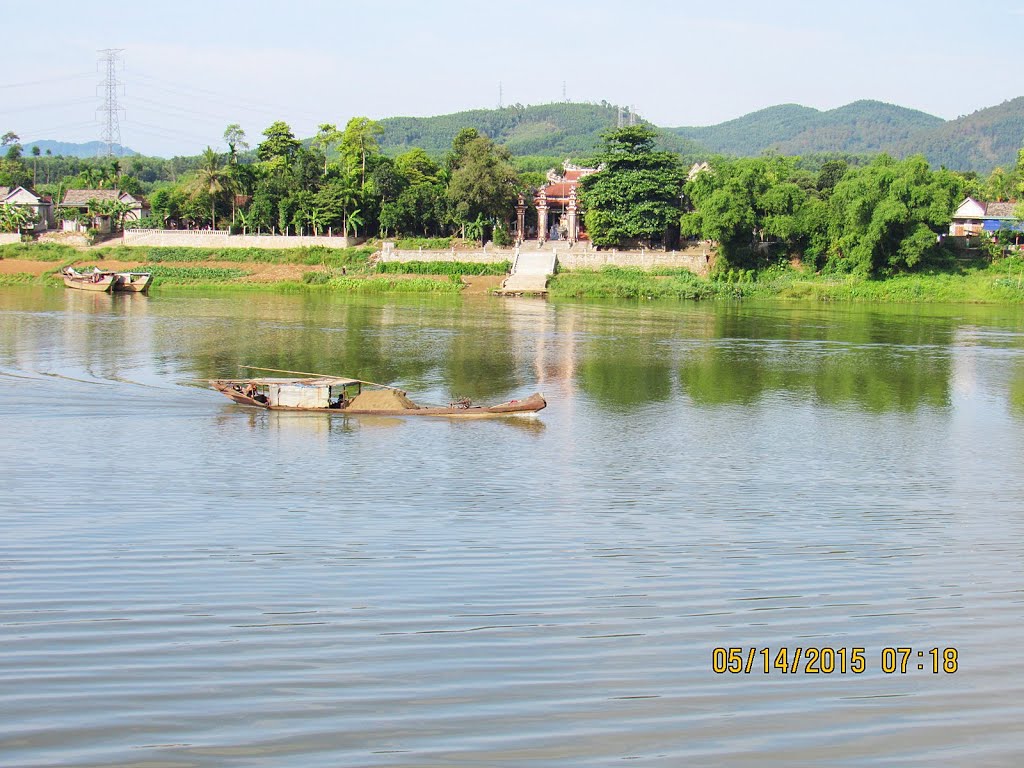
188 582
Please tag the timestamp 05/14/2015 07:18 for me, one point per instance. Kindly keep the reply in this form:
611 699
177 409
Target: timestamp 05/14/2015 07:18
827 660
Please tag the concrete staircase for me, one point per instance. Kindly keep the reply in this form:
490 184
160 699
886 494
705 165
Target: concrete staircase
530 273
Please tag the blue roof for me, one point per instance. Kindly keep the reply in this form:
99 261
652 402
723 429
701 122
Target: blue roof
994 225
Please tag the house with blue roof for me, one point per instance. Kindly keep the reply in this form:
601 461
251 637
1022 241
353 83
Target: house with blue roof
974 217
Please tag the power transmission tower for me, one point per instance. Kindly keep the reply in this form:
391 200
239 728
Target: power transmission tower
564 97
110 111
501 94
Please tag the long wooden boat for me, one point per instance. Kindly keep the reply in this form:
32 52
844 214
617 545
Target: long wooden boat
133 282
101 282
332 394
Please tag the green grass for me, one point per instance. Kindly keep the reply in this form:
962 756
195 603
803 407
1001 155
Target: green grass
37 252
1001 282
346 284
426 243
313 256
451 268
20 278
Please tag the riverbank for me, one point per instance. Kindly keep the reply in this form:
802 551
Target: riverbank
352 270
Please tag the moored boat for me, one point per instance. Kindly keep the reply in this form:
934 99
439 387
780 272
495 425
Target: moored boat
133 282
333 394
97 280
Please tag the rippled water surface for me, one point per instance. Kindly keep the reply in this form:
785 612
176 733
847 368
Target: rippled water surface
187 582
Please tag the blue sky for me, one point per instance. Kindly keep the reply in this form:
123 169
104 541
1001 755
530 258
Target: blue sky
190 71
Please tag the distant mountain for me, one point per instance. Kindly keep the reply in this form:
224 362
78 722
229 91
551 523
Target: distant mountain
561 130
979 141
70 149
790 129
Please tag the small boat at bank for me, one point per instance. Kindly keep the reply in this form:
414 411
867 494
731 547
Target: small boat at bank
133 282
333 394
102 282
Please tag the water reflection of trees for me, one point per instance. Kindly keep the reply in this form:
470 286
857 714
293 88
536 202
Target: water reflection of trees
871 360
625 374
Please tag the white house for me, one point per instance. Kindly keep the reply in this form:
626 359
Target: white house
974 217
79 199
41 206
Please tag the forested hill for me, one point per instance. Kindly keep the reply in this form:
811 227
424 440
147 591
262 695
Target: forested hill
979 141
861 127
562 129
71 149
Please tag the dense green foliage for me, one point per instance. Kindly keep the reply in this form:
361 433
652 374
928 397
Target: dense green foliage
636 194
875 220
443 268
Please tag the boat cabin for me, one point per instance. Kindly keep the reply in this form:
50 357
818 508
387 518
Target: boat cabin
301 393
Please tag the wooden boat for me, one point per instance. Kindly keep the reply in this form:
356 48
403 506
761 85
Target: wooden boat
133 282
349 396
96 280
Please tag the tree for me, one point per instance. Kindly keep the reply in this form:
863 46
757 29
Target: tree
234 137
211 179
484 184
35 160
886 216
13 217
459 144
359 141
417 167
327 138
280 142
637 192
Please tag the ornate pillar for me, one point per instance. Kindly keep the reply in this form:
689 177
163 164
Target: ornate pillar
571 211
542 216
520 220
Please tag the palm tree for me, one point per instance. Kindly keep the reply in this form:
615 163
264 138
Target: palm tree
475 229
353 221
211 179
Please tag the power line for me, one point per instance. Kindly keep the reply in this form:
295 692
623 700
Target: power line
111 133
48 80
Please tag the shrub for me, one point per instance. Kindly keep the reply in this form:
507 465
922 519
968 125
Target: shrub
426 243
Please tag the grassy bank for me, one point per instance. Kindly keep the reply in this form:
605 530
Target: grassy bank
349 271
1000 282
313 256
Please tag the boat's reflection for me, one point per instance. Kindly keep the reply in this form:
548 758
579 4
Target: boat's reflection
322 424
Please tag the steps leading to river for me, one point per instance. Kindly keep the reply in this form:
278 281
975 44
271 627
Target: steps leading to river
530 273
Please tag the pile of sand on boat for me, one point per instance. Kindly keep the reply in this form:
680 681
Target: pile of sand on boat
381 400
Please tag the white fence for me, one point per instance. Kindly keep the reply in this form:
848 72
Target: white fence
193 238
7 239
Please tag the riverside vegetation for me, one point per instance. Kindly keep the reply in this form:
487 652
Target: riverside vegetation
852 224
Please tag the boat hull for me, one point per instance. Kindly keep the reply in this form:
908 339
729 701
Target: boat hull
526 406
132 282
103 284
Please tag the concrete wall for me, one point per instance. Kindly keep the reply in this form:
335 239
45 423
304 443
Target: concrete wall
7 239
178 238
694 259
